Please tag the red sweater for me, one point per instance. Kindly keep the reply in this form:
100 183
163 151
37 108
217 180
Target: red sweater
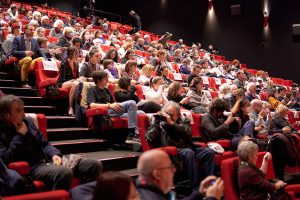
252 184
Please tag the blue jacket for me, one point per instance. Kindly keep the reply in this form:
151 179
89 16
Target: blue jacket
19 47
15 147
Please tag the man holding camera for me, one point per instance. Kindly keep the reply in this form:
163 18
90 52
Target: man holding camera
169 129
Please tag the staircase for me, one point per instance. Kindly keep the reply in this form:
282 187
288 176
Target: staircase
64 132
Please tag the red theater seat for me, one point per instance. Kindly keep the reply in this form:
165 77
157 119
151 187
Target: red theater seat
53 195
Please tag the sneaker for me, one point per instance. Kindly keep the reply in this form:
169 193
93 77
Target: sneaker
26 86
136 139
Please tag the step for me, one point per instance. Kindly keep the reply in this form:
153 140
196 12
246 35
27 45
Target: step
46 110
80 145
61 122
56 134
35 101
113 160
9 83
133 173
4 75
18 91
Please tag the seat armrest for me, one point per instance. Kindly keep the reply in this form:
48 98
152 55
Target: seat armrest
21 167
103 110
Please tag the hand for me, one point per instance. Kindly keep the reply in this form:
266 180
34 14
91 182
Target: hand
29 53
286 129
56 160
216 190
206 183
185 100
116 107
260 127
262 113
22 128
229 119
169 120
268 156
280 184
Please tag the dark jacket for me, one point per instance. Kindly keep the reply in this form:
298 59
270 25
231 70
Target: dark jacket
151 192
63 42
66 73
32 147
123 95
252 183
189 78
85 191
87 69
214 129
41 52
19 47
97 95
278 123
161 134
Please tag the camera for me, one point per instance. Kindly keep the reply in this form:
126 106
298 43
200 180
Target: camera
160 118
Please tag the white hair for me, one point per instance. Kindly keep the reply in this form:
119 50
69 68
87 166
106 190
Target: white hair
246 149
249 85
57 22
35 13
223 87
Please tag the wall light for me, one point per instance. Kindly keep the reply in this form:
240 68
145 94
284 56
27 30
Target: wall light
266 19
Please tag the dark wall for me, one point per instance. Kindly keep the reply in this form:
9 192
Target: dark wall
240 37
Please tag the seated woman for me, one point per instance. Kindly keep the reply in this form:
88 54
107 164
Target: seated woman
163 71
252 182
125 91
69 76
146 74
185 67
129 55
91 65
113 55
115 186
111 70
130 69
155 94
199 100
174 94
272 98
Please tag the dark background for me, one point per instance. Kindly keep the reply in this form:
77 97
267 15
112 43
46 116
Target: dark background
241 37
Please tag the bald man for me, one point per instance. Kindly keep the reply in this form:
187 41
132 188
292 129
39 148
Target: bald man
156 173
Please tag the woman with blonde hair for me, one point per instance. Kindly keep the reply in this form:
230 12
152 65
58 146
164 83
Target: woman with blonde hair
146 74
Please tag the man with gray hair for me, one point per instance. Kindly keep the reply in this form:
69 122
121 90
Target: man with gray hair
169 129
21 140
251 92
156 173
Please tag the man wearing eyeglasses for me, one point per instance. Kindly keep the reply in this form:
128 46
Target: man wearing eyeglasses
169 129
155 181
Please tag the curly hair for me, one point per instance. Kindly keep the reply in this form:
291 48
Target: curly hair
218 104
108 55
174 89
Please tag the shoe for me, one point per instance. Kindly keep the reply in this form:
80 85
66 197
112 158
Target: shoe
134 139
26 86
71 112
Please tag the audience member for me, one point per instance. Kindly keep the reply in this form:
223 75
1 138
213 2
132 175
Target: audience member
91 65
146 73
21 140
66 38
99 96
252 181
56 31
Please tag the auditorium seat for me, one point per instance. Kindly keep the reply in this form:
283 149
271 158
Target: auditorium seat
53 40
52 195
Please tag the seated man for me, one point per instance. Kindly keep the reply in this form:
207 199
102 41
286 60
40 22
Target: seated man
99 96
21 140
169 129
25 48
195 73
251 92
155 179
214 124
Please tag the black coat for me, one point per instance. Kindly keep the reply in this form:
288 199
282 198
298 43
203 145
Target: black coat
66 74
32 147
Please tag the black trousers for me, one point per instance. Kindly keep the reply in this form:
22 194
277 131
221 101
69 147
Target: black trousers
60 177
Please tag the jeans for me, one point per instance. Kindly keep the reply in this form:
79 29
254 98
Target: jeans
191 157
129 111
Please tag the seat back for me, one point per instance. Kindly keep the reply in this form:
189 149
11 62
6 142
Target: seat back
40 121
